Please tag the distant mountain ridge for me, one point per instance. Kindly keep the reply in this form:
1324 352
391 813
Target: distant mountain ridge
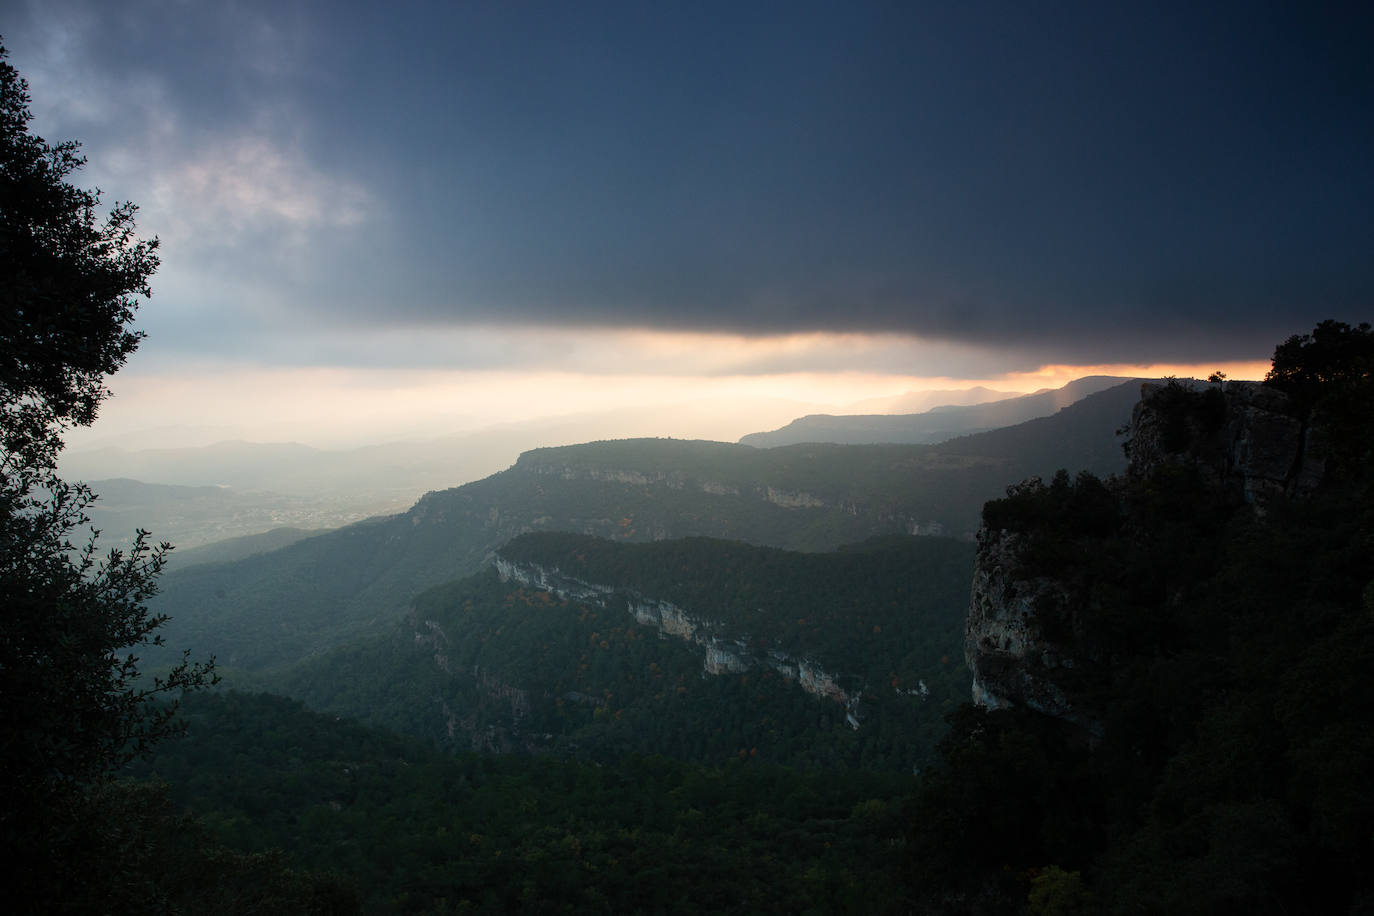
238 548
936 424
325 589
396 472
921 401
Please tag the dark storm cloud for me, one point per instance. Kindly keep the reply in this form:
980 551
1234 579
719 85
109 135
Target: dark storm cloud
1087 181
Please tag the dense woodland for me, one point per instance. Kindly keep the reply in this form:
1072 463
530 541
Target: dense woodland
527 752
417 830
495 665
1231 774
889 611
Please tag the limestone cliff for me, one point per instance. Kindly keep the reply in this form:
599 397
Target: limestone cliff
1246 438
1013 659
724 653
1248 444
544 464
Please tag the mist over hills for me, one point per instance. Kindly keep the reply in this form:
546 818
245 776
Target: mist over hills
238 548
938 422
196 496
274 608
194 517
404 469
919 401
192 496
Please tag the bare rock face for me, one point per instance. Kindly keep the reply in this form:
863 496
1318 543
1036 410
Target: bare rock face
1246 438
723 654
1013 660
1250 442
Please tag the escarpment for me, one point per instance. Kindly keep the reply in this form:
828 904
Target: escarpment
1010 648
1074 579
724 652
1246 439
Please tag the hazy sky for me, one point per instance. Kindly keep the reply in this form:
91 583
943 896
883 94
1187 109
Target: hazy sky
475 208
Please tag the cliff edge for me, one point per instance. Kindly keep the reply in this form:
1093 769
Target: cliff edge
1051 604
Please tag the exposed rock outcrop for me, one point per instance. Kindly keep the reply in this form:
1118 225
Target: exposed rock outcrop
723 654
1013 660
1247 438
1249 443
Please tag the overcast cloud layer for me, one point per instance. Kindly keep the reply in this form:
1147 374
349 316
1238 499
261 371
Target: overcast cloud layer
1066 182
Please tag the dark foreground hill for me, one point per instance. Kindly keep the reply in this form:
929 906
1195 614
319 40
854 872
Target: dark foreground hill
1173 666
420 831
277 607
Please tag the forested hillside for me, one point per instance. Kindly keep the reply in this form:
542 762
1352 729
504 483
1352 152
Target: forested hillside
848 659
880 611
419 831
275 608
1170 665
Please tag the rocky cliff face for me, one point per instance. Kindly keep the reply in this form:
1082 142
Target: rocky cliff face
723 653
1246 438
1248 443
1013 660
540 465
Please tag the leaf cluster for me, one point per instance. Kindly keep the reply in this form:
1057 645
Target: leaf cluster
72 279
73 707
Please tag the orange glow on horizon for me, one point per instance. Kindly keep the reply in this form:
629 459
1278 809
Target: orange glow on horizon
688 385
1059 375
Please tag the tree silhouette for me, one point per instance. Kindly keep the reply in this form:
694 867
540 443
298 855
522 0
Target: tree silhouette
73 704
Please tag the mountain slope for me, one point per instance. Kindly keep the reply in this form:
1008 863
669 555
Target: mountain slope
420 831
691 648
248 545
934 425
318 592
921 401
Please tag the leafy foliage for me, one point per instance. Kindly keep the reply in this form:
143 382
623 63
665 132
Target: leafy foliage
1332 371
72 709
1335 359
70 281
76 708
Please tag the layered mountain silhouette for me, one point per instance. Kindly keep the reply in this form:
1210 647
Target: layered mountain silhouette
274 608
936 424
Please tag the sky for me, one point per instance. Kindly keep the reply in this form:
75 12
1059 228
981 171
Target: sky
403 216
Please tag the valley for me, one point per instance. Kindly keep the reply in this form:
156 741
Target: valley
592 638
663 459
